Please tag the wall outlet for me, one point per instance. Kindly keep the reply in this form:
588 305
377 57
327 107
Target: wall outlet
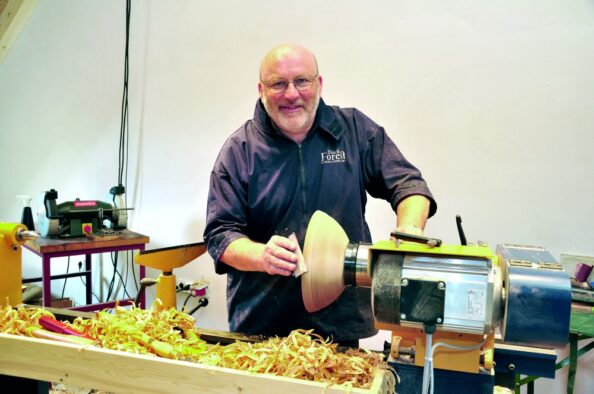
182 283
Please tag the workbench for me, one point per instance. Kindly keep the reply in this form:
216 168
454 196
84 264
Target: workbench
49 248
581 328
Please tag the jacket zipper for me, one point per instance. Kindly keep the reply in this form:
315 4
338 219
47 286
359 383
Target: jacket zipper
303 194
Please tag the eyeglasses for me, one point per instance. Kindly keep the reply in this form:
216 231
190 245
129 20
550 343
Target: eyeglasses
301 84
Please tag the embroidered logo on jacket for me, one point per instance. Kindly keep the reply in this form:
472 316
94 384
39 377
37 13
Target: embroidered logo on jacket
333 156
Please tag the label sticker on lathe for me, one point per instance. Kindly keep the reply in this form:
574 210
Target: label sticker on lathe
475 304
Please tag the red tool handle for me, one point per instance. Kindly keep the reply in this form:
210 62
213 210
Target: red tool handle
51 324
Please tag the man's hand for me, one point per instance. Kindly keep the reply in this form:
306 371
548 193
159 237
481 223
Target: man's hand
276 257
412 214
279 257
409 229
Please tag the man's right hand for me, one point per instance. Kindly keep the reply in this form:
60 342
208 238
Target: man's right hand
279 256
276 257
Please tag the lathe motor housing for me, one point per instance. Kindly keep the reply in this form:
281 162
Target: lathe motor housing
465 289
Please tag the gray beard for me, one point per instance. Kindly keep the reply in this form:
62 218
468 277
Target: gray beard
282 127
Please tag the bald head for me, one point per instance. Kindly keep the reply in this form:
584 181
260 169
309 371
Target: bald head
286 55
290 88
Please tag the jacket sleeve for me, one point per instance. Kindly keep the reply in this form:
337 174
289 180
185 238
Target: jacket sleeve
227 199
387 173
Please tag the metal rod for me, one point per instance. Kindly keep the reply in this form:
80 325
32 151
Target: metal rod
62 276
416 238
460 230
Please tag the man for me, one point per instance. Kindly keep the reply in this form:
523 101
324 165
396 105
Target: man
298 155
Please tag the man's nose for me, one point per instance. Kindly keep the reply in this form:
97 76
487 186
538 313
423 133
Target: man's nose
291 92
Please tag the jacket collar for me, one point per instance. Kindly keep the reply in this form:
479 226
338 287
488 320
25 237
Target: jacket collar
325 121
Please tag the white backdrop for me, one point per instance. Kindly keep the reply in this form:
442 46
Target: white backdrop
491 100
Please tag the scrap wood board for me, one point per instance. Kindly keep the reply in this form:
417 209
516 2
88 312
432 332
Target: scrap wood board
104 369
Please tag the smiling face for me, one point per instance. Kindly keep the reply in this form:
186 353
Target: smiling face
293 109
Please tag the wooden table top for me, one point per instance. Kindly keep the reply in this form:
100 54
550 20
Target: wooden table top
52 245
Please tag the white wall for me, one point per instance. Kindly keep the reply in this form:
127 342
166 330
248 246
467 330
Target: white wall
492 100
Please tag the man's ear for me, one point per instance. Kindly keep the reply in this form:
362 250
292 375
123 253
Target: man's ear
260 89
321 83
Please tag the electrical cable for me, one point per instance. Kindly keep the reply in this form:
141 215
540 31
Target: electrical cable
125 293
427 381
127 265
429 359
186 301
85 283
116 272
134 273
123 153
113 276
92 292
66 279
201 303
125 279
123 147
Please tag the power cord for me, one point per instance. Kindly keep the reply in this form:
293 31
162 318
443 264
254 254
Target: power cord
192 293
85 283
66 279
124 124
116 272
123 151
428 375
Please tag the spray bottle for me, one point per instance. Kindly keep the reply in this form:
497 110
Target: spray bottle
27 215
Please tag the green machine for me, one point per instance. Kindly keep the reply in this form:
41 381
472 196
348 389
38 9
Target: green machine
81 217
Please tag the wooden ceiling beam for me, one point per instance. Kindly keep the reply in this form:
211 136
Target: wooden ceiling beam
13 16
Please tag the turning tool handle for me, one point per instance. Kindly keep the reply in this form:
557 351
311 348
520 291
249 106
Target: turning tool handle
416 238
51 324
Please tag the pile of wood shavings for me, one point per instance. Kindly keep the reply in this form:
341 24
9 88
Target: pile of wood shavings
301 355
165 332
16 320
172 334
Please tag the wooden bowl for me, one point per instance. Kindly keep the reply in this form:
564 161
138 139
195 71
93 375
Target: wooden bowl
324 250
